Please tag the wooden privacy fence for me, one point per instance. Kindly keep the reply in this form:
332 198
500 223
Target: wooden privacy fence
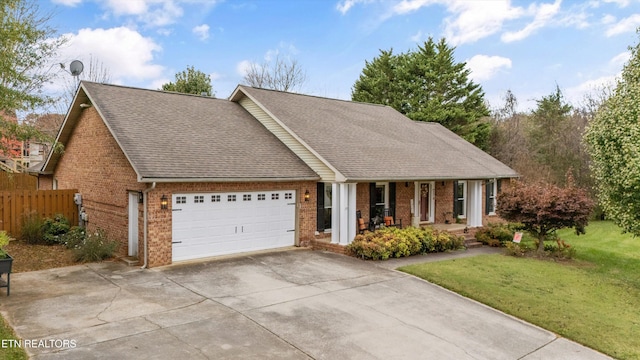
10 181
14 205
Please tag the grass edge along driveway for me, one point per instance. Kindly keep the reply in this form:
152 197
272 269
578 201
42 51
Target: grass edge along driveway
593 300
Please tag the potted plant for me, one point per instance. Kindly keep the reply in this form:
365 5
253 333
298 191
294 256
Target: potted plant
5 259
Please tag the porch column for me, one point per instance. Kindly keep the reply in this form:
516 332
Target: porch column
474 212
335 213
415 208
350 209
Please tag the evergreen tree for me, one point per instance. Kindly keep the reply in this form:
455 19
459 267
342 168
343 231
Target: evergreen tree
191 81
427 85
549 132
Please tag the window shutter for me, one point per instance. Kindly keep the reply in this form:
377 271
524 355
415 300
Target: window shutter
498 186
487 200
320 206
455 199
372 200
392 199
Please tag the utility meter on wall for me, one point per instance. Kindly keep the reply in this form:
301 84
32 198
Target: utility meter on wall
77 198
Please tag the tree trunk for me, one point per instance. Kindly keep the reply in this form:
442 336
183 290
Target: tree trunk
541 237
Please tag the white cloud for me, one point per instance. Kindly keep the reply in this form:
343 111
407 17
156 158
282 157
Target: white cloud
619 60
242 68
474 20
71 3
407 6
201 31
124 53
620 3
155 13
544 13
215 76
608 19
417 37
576 94
345 5
625 25
484 67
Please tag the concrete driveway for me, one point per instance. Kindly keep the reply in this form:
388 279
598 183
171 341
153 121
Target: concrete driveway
297 304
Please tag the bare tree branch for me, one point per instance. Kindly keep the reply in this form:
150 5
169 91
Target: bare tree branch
281 74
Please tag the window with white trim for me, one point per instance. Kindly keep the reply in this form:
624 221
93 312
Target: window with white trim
382 198
492 191
198 199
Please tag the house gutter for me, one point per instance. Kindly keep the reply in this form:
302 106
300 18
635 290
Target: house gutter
145 220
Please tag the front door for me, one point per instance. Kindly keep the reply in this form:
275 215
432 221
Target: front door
425 199
424 202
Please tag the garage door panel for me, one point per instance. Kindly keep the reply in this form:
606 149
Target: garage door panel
209 224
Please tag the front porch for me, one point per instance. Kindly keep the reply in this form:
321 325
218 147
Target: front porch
451 205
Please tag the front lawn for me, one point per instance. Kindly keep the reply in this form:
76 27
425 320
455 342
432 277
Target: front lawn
593 300
8 351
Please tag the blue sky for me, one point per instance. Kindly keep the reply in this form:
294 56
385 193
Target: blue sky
525 46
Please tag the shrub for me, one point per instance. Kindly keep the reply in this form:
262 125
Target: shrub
4 241
54 228
393 242
31 230
515 249
74 238
496 235
560 251
95 247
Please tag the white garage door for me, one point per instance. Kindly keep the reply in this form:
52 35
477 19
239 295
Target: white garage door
209 224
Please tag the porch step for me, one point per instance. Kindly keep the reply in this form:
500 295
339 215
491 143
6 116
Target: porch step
469 235
130 260
470 244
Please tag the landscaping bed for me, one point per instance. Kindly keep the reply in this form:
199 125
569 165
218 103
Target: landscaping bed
33 257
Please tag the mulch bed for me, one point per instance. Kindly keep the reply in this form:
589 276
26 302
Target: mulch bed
28 257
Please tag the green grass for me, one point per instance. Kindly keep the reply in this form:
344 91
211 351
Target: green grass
9 353
593 300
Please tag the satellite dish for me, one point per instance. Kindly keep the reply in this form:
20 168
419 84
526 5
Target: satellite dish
76 67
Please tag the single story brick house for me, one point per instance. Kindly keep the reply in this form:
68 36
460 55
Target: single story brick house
176 177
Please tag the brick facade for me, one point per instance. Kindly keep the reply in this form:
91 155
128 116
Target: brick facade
94 164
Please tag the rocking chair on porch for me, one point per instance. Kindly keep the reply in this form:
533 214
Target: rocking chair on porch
389 219
362 226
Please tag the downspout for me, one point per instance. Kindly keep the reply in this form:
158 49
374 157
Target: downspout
144 221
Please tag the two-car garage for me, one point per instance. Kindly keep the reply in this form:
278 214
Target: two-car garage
210 224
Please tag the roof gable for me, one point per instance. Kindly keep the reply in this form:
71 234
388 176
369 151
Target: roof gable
178 137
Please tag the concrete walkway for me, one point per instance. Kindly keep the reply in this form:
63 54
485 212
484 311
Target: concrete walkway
296 304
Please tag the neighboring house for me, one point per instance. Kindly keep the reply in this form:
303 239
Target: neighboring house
193 176
21 156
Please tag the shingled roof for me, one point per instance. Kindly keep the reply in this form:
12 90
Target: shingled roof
374 142
178 137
